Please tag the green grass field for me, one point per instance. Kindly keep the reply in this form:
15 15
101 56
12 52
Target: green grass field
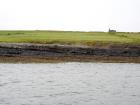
67 37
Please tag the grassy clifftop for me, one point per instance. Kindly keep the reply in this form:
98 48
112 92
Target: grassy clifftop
67 37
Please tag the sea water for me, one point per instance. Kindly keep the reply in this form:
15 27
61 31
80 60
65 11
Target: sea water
70 84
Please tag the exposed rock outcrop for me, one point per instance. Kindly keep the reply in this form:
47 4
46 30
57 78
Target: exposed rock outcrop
25 49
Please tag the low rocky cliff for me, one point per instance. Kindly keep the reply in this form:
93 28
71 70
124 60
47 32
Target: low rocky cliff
26 49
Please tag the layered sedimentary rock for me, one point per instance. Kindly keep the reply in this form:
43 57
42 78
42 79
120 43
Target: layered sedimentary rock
25 49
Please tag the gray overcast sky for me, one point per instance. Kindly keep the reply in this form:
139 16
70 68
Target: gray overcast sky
80 15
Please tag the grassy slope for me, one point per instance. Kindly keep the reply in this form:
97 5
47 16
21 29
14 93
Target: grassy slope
88 38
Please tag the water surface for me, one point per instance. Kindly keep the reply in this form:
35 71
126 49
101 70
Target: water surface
70 84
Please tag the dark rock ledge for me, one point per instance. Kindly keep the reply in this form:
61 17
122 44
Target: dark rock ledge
27 49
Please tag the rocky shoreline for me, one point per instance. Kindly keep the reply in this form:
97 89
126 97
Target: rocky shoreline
56 52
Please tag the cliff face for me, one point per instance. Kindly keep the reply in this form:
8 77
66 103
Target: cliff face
7 49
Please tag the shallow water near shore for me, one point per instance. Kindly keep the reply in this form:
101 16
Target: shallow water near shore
70 84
